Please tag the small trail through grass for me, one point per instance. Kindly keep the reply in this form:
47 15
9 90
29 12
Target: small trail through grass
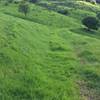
88 63
86 92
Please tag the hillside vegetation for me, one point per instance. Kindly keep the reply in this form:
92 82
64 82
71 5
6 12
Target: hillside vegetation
47 55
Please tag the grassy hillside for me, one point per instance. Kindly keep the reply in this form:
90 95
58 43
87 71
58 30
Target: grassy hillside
47 55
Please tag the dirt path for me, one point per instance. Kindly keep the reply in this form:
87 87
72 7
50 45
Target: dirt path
84 91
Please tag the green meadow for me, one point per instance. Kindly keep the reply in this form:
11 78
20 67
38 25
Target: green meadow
47 55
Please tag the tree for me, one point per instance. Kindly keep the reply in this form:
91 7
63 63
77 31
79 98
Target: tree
91 23
24 7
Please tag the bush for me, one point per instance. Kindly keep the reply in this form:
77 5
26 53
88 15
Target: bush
6 3
91 23
16 1
33 1
64 12
24 8
10 1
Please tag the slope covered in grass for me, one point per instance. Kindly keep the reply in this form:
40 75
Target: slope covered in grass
41 16
33 62
44 57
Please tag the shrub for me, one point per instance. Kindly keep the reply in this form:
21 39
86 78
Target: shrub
33 1
6 3
24 8
10 1
17 1
64 12
91 23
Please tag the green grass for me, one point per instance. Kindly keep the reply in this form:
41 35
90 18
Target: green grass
38 14
47 56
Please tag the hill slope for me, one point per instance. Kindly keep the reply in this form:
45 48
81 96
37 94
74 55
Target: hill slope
43 58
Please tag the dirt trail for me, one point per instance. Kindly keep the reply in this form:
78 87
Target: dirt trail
84 91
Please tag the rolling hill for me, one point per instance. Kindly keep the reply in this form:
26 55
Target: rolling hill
48 56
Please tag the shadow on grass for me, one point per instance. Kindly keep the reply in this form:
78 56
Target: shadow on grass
88 56
56 46
85 32
4 59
